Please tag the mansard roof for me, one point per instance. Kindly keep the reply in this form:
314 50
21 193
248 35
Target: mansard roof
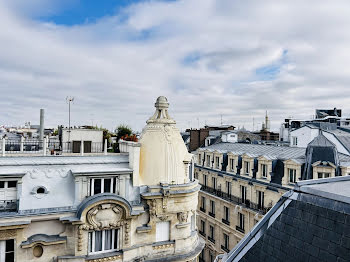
313 220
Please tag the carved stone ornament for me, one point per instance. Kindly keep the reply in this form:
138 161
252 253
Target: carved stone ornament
104 216
6 234
182 217
153 207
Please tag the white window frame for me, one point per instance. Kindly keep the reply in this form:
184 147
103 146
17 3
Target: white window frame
112 178
241 220
212 207
243 193
208 160
3 251
92 236
229 188
214 182
226 213
295 140
294 174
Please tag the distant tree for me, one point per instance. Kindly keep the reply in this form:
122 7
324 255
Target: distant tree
123 130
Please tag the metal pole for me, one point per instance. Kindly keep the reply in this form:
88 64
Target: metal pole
3 147
105 147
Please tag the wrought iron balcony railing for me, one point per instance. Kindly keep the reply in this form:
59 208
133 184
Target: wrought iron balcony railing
236 200
8 205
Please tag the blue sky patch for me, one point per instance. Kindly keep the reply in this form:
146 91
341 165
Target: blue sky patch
87 11
271 71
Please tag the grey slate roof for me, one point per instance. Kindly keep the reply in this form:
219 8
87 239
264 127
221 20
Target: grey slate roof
342 136
259 150
310 223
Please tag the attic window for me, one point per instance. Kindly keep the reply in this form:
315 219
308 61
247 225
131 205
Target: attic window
40 190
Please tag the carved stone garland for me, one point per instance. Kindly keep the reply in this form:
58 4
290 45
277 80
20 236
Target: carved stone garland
101 217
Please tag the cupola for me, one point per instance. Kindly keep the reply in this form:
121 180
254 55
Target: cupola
163 155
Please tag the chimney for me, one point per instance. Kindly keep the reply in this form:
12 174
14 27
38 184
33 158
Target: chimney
41 131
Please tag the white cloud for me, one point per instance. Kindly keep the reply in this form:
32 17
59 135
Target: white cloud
116 67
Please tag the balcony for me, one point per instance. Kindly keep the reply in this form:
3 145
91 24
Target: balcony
238 228
212 214
8 205
211 239
225 221
202 209
225 249
236 200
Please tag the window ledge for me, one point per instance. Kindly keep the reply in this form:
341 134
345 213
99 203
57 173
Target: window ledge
143 229
112 255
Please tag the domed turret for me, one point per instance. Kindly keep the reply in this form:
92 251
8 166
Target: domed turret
163 155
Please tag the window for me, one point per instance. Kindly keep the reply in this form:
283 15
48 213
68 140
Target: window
226 215
292 175
246 167
217 162
7 250
202 208
211 233
103 241
243 194
202 230
295 140
232 164
208 161
263 170
40 190
226 242
103 185
323 175
228 188
213 180
205 180
260 199
240 226
199 159
212 208
8 193
211 257
163 231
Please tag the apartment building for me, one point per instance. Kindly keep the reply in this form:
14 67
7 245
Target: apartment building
242 182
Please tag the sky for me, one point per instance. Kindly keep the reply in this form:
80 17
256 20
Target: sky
227 60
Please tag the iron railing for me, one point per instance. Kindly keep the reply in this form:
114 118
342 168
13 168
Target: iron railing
236 200
8 205
52 147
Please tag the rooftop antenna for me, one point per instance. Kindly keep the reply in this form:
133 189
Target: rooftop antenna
69 100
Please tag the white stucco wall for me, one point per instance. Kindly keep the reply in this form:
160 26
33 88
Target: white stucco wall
95 136
304 134
229 137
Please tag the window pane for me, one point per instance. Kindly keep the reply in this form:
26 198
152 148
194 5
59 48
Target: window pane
97 186
2 184
116 239
107 185
98 241
108 239
12 184
10 257
10 245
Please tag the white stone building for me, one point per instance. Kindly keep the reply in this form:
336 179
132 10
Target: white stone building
139 205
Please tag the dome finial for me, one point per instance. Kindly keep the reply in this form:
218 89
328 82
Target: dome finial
161 114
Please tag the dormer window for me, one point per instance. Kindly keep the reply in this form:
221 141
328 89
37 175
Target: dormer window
323 175
232 164
217 161
103 185
263 168
40 190
292 175
246 168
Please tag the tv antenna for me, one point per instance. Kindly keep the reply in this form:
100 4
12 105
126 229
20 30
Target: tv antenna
69 100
